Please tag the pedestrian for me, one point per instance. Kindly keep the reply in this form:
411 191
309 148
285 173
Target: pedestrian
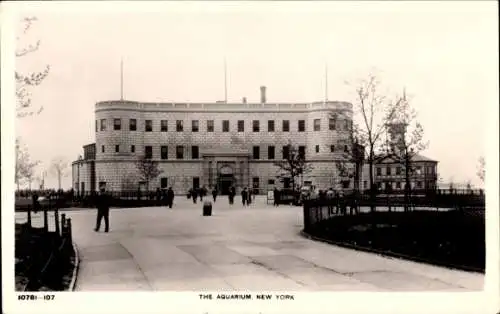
214 193
249 197
103 201
276 196
232 193
244 196
200 193
194 195
170 197
330 195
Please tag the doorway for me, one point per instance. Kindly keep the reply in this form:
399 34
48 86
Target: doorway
225 181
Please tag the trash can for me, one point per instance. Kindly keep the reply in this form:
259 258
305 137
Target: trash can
207 208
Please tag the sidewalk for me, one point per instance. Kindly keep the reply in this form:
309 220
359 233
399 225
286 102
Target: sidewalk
252 248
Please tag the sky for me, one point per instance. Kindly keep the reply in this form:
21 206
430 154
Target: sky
443 53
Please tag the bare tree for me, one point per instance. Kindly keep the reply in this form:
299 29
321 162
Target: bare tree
24 168
480 168
405 140
26 81
374 110
148 169
58 168
293 165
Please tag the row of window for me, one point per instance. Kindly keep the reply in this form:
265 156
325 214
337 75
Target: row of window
271 151
418 170
240 125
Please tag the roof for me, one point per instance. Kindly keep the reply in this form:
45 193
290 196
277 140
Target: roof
416 158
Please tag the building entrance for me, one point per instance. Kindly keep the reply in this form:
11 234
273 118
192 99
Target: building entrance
225 181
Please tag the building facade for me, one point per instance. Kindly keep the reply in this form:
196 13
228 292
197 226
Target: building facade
390 174
211 144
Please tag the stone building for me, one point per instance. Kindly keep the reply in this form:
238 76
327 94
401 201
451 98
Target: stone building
211 144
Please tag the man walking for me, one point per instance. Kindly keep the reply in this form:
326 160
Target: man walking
276 196
244 195
103 201
170 197
214 193
194 195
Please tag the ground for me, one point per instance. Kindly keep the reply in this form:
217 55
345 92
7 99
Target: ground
252 248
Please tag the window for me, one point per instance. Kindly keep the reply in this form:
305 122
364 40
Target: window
379 171
195 153
164 125
149 126
195 126
241 126
132 148
346 149
270 152
164 183
419 170
256 152
365 184
286 152
179 125
148 152
117 124
332 124
117 148
317 125
103 124
419 184
388 171
96 126
210 125
286 125
347 123
256 126
332 148
102 149
398 185
132 125
270 126
317 148
398 170
270 182
179 152
164 152
302 125
255 182
225 126
302 151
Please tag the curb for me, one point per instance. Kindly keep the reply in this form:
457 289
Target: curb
75 269
391 254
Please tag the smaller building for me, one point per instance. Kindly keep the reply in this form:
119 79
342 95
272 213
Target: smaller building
83 170
390 174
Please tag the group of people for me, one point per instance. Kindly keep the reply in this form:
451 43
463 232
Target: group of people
193 193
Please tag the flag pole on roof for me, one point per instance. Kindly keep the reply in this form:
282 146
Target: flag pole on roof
121 79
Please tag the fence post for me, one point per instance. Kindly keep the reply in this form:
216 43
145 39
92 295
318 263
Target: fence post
56 221
70 236
45 220
29 216
63 224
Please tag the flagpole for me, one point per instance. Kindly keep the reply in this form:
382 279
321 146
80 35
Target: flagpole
326 82
225 81
121 79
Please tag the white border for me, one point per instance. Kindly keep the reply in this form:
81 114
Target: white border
188 302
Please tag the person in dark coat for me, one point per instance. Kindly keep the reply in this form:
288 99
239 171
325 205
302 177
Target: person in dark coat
244 196
170 197
249 197
103 201
232 193
214 194
276 196
194 195
200 193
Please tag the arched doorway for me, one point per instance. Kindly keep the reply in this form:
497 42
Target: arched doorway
225 179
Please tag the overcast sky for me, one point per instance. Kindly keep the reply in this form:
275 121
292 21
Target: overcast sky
444 53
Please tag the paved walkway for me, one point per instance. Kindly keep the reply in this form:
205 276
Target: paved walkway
253 248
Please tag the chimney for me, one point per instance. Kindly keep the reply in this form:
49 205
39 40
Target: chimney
244 100
263 94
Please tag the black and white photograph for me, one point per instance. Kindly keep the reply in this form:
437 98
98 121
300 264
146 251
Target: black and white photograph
250 153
